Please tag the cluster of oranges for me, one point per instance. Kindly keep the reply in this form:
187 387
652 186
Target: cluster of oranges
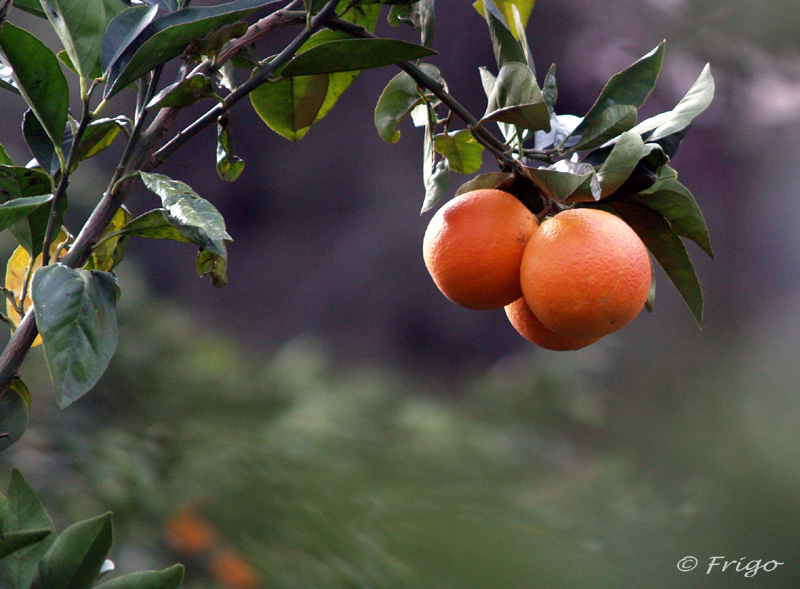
580 275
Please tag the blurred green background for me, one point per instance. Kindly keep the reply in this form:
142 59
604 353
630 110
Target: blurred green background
337 423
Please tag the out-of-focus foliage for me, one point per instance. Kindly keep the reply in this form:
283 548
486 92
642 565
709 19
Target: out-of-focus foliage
538 474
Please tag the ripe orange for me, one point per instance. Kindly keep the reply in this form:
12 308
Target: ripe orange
230 570
187 533
585 273
473 248
529 327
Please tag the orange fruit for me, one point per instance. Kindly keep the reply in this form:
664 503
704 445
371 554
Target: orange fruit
585 273
187 533
529 327
232 571
473 248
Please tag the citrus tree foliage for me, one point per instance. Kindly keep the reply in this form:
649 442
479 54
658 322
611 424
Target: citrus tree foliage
60 283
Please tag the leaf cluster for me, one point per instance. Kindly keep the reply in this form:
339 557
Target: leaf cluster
34 556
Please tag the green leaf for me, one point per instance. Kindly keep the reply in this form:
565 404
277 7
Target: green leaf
167 37
620 163
675 202
95 74
123 30
30 6
13 211
10 543
14 406
435 173
668 250
290 106
99 135
185 92
610 123
81 24
169 578
346 55
516 99
38 77
229 165
397 101
507 47
550 88
462 150
75 558
110 250
5 160
19 182
76 316
24 512
696 100
155 224
488 180
197 220
629 87
567 181
40 145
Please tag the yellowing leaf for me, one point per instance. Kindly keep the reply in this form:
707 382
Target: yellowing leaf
16 272
515 12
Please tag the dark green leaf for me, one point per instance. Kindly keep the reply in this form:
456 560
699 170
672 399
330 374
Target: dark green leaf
184 93
38 77
229 165
169 578
629 87
517 100
13 419
76 316
610 123
24 512
550 89
197 220
567 181
488 180
123 30
169 36
75 558
462 150
81 24
346 55
397 100
30 6
12 542
12 211
41 146
436 182
18 182
696 100
668 250
419 15
675 202
620 163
